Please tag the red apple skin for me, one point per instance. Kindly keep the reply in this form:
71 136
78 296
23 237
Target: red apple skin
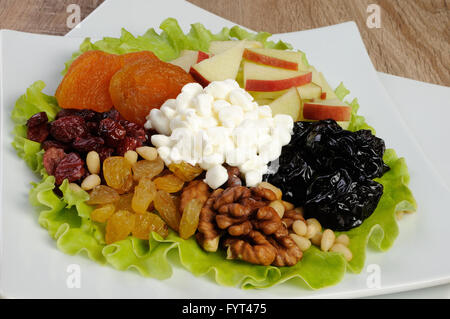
324 112
323 96
277 85
198 77
202 56
268 60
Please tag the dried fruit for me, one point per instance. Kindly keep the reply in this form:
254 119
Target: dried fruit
37 127
70 167
185 171
143 85
127 144
86 83
37 119
144 193
167 209
190 218
66 129
124 202
169 183
148 222
102 195
137 56
51 143
117 173
51 159
119 226
134 130
111 131
87 144
102 213
146 168
104 152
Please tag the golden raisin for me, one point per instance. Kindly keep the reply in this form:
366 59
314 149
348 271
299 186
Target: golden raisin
189 220
146 168
102 194
185 171
148 222
169 183
117 173
102 213
119 226
124 202
167 209
144 193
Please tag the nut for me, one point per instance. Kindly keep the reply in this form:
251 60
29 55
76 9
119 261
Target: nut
131 156
328 239
147 152
93 162
273 188
291 216
316 239
278 206
339 248
343 239
90 182
195 189
313 227
302 242
299 227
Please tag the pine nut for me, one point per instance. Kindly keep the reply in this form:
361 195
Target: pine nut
317 239
343 239
278 206
339 248
302 242
287 205
327 241
131 156
300 227
274 189
93 162
90 182
147 152
313 227
299 210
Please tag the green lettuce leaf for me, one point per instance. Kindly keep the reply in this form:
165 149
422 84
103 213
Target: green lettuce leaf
67 218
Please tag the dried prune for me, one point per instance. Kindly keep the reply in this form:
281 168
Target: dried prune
51 159
87 144
329 171
66 129
112 131
70 167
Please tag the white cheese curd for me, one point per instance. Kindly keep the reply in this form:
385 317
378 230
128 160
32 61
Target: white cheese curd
220 124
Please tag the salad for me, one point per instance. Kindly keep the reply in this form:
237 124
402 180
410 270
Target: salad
229 149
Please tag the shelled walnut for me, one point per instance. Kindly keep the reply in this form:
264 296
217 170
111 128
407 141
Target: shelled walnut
250 229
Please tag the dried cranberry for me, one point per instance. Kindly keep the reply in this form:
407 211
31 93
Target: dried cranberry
92 127
127 144
87 144
51 159
112 114
89 115
66 129
70 167
104 152
51 143
38 133
37 119
134 130
112 131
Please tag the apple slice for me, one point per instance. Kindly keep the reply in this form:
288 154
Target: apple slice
309 91
267 95
217 47
268 60
219 67
327 109
292 60
263 78
289 104
264 101
319 79
188 58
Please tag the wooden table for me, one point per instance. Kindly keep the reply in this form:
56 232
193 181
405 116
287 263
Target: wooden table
413 39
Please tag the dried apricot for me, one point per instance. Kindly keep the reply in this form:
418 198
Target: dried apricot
102 213
117 173
132 57
148 222
167 209
144 193
190 218
102 195
86 83
169 183
146 168
143 85
119 226
185 171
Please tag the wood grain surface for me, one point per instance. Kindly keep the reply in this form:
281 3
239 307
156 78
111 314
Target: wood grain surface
413 40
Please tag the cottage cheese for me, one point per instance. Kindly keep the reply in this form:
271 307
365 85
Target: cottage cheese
220 124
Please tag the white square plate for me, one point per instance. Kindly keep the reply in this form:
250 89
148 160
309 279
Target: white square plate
31 266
